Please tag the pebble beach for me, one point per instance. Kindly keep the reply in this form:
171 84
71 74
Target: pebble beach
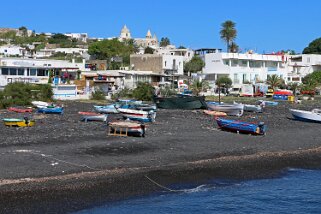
62 164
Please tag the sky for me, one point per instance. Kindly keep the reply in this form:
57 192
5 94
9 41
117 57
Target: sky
263 26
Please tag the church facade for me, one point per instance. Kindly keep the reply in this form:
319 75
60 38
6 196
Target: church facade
148 41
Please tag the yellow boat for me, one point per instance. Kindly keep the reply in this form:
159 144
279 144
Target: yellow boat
18 122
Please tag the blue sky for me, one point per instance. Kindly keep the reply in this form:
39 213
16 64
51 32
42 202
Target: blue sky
263 26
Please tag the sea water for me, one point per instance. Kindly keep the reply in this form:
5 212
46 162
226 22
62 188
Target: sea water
295 191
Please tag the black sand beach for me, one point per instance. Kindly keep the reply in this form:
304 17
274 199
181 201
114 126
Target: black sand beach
62 165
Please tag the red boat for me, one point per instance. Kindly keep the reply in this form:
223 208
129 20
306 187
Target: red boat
20 109
283 92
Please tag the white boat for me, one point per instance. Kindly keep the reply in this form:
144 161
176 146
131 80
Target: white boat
253 108
40 104
138 115
310 116
109 109
229 109
92 116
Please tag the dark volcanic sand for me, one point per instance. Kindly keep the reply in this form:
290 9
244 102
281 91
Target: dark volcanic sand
62 164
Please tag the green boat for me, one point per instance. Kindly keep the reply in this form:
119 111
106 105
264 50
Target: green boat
181 102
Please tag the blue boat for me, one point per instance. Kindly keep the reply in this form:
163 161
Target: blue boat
242 127
49 110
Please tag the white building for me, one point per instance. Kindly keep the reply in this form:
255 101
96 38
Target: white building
242 68
12 50
79 36
172 50
35 70
301 65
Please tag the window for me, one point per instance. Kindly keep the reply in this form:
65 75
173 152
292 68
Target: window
21 71
12 71
243 63
41 72
234 62
244 78
235 79
33 72
5 71
165 63
255 64
226 62
308 59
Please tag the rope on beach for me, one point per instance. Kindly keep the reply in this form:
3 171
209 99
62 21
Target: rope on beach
56 159
166 188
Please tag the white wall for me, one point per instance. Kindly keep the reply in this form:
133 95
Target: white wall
168 63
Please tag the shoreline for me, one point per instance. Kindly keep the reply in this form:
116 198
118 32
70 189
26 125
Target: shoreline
88 189
62 165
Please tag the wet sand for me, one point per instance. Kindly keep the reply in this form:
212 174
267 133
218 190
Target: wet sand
62 164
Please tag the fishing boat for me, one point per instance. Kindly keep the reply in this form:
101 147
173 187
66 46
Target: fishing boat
242 127
108 109
51 110
125 128
92 116
181 102
253 108
215 113
267 103
25 122
309 116
229 109
142 106
41 104
20 109
138 115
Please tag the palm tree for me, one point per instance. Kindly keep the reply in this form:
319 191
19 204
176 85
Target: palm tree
273 80
199 86
228 33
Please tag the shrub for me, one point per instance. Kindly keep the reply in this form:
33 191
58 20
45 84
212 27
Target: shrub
143 91
22 94
125 93
98 95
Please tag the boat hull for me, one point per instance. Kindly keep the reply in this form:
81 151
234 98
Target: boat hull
253 108
91 116
308 116
181 102
109 109
18 122
20 110
138 115
242 127
55 110
232 110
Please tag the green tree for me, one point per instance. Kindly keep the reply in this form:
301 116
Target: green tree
144 91
148 50
23 31
274 80
194 65
234 48
314 47
198 86
106 49
181 47
312 77
228 33
164 42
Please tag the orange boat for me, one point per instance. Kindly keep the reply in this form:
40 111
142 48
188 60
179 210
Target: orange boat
215 113
20 109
